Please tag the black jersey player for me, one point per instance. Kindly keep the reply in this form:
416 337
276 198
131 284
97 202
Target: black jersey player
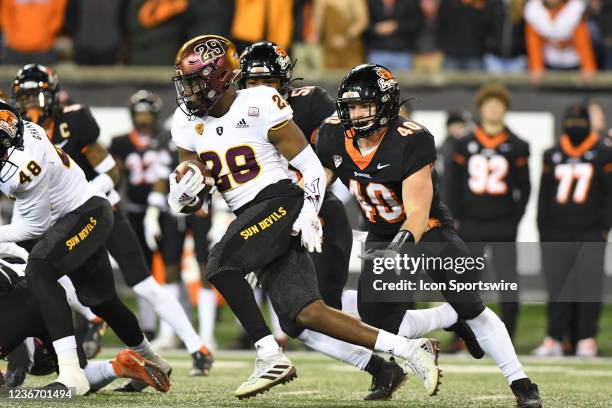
574 217
489 188
74 129
386 162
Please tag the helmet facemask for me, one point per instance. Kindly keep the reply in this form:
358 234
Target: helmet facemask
11 138
36 105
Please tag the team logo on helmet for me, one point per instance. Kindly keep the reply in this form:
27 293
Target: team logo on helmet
209 49
385 80
9 123
283 59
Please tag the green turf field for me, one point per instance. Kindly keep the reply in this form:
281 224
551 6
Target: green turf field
325 383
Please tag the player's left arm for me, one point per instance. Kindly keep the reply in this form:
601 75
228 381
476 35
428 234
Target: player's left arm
417 194
291 143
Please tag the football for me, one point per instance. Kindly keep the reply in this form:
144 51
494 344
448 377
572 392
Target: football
187 166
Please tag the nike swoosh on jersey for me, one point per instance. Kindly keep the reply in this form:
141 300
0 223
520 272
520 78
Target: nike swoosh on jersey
61 145
379 166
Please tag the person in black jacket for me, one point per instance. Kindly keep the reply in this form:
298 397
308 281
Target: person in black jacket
390 37
505 43
490 188
574 217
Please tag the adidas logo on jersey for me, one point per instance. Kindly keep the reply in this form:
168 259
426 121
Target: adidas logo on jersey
242 124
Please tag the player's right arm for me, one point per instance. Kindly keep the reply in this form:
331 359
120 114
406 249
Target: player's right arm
104 164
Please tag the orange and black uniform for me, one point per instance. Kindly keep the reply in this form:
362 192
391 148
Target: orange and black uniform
574 214
489 191
375 181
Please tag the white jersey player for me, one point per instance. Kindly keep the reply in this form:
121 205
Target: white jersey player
67 225
246 138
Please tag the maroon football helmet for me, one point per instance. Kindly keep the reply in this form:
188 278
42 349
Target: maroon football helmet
206 66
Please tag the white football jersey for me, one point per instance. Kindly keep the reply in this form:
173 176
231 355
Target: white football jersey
45 182
235 147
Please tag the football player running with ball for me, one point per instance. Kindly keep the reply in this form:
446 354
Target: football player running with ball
246 138
386 162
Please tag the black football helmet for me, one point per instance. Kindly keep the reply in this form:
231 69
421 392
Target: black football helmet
36 87
266 60
11 138
145 101
368 83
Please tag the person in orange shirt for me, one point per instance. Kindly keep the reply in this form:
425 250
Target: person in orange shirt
557 38
30 29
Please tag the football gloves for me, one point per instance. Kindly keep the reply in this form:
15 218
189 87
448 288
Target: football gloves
185 192
309 224
152 229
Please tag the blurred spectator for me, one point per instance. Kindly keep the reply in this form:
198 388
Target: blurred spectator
462 31
490 189
574 217
506 37
256 20
155 29
558 38
30 29
390 37
210 17
305 49
597 117
600 29
428 58
456 129
340 24
97 29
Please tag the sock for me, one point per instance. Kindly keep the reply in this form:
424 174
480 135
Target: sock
277 331
99 374
390 343
144 349
266 346
356 356
73 300
146 315
165 330
239 296
375 364
494 339
417 323
207 313
349 303
167 306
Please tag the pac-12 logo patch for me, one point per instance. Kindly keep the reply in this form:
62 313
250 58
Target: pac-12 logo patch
220 130
337 160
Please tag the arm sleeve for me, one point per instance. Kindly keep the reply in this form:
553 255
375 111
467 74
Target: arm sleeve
535 49
314 178
584 48
522 182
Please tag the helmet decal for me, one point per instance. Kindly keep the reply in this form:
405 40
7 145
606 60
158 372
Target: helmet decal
209 49
386 79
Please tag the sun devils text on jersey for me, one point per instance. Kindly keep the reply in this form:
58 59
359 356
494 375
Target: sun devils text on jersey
576 185
375 180
490 176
